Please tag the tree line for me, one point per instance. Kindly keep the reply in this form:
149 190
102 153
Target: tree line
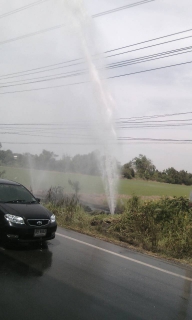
47 160
140 167
143 168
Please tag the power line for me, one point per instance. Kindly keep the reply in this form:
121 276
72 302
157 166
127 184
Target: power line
71 129
111 66
42 136
83 82
155 139
153 69
75 123
85 136
62 25
37 81
121 8
71 132
80 72
155 126
11 75
68 74
54 143
169 53
153 121
160 115
52 87
31 34
153 45
22 8
23 75
147 60
73 60
139 140
93 16
114 65
135 44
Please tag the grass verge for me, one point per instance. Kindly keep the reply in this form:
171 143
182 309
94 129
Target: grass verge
161 227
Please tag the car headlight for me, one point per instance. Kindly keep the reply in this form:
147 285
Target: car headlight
53 219
14 219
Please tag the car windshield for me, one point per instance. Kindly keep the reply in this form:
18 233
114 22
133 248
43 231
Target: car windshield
10 193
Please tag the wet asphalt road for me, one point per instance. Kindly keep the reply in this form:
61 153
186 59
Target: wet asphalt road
72 280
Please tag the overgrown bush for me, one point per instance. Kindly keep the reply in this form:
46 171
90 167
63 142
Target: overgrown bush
163 226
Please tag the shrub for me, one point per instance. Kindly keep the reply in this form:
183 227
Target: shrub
163 225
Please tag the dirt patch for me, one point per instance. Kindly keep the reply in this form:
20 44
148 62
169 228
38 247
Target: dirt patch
96 199
100 199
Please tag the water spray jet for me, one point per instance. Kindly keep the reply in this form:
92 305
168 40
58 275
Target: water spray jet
106 134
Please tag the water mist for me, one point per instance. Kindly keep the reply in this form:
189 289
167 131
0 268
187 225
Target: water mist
104 132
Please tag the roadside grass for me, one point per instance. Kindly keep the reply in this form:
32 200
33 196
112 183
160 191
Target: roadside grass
41 180
162 227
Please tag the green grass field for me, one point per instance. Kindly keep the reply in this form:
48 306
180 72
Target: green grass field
40 180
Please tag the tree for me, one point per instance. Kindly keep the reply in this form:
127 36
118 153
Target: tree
6 157
127 170
143 166
46 160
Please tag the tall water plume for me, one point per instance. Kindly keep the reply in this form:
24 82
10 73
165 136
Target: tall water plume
103 131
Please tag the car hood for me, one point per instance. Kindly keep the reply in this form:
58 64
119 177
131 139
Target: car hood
29 211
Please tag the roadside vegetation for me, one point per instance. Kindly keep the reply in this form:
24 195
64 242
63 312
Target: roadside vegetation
162 226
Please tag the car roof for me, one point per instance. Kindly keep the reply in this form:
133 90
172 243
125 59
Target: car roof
4 181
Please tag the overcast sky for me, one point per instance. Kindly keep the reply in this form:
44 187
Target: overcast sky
66 119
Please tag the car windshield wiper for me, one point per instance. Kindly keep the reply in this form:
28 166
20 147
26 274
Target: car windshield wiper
33 201
16 201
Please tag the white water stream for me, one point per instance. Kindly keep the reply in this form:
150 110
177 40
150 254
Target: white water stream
104 134
79 25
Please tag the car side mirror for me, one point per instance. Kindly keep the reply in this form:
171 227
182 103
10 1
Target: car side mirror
38 200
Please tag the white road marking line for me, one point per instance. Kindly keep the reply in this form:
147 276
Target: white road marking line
126 258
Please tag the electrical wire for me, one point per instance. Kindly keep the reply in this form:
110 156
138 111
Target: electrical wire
68 74
77 135
154 39
31 34
93 16
153 121
37 81
114 65
83 82
139 140
73 60
75 129
45 88
111 66
62 25
156 56
160 115
155 139
22 8
120 119
121 8
148 70
12 75
153 45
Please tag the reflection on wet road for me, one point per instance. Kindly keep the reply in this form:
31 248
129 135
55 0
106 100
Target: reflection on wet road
69 280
